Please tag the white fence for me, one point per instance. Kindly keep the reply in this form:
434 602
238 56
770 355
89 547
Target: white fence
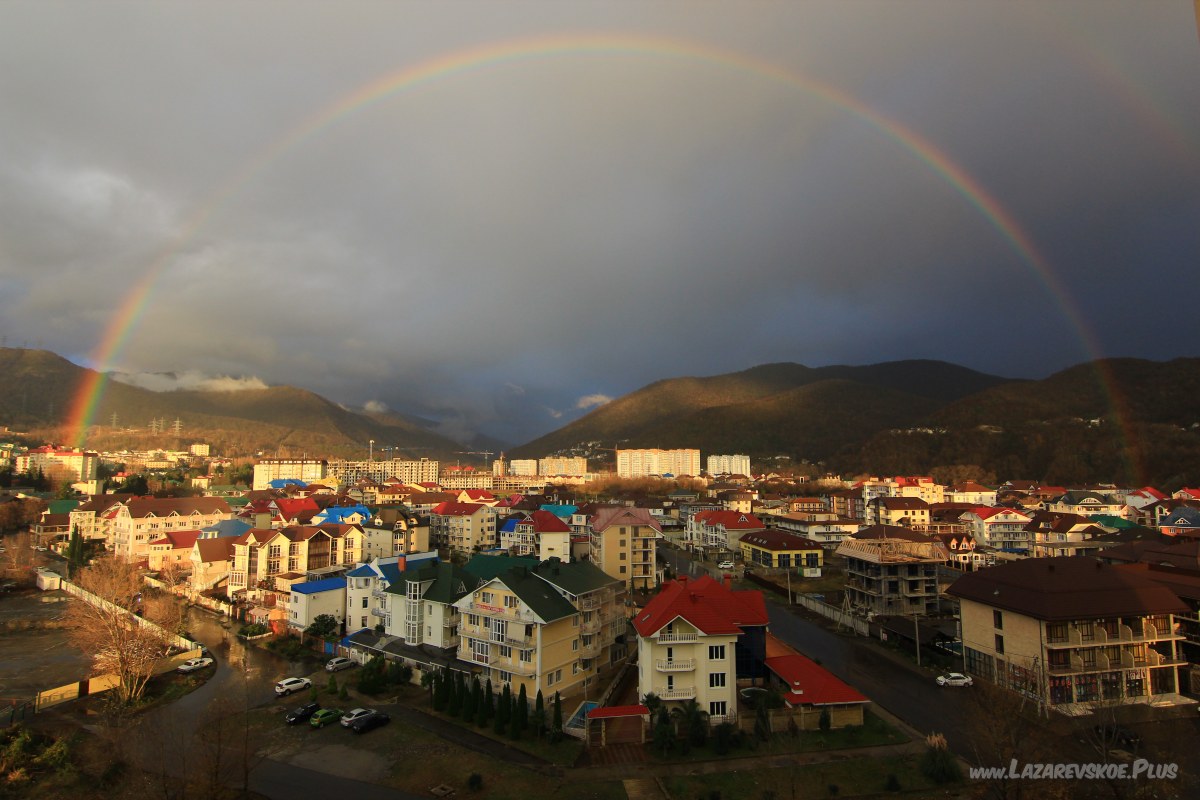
841 617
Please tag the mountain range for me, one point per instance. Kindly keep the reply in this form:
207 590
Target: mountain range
1125 421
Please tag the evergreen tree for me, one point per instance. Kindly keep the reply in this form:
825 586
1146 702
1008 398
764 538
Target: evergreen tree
441 692
471 701
454 705
556 727
76 552
664 733
522 715
481 710
539 715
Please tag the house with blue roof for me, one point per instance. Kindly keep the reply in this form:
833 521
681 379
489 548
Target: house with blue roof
226 527
343 515
310 599
283 483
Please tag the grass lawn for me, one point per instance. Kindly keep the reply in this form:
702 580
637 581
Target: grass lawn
852 777
873 732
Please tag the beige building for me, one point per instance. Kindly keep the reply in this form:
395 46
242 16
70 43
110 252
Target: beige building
463 528
552 628
646 463
60 464
262 556
562 465
696 638
130 527
298 469
1071 631
622 543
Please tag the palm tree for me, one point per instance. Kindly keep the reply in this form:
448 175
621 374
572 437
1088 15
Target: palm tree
694 721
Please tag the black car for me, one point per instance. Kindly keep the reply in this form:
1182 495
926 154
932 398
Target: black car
301 714
372 720
1116 736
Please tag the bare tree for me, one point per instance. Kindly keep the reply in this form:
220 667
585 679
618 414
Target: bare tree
17 558
110 629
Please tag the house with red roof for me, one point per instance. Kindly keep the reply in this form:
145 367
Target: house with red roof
173 551
999 527
696 640
464 528
720 531
808 689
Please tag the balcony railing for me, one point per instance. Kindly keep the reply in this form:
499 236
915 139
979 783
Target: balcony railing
589 602
687 693
591 625
675 665
671 638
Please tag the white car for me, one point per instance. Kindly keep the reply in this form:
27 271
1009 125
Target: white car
339 663
355 714
954 679
193 664
289 685
725 565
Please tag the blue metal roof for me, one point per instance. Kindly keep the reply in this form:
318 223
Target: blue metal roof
283 483
561 511
326 585
361 572
339 513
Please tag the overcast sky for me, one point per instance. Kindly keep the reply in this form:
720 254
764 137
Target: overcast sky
587 197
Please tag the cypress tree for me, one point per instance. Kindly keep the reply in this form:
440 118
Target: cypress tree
455 705
522 715
488 705
470 700
556 729
441 695
539 715
501 716
481 707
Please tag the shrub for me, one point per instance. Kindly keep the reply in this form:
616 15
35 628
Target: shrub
937 762
475 782
253 629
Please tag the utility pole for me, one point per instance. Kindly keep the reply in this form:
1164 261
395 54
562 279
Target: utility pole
917 637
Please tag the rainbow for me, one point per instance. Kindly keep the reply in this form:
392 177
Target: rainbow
124 321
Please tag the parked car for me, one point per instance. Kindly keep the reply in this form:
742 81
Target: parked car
372 720
954 679
324 716
301 714
725 565
1115 735
355 714
339 663
193 664
289 685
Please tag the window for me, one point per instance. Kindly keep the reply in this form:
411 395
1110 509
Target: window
505 651
716 679
574 644
575 668
622 557
999 643
511 601
364 622
998 620
485 597
716 708
527 655
622 569
365 599
716 652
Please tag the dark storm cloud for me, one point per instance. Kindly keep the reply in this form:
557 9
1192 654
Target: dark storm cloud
503 246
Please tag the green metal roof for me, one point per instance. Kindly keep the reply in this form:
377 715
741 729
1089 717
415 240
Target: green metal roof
450 582
488 567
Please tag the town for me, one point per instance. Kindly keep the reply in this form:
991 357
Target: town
665 607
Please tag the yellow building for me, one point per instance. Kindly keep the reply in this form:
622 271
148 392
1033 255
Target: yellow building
552 627
781 550
622 542
1071 630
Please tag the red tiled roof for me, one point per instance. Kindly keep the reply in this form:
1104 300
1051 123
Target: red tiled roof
730 520
808 683
705 603
546 522
179 540
607 516
456 509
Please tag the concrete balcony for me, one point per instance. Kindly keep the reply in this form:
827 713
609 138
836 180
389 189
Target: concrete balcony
589 603
501 612
685 693
677 638
592 625
675 665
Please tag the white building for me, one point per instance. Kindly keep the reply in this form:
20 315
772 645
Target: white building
61 463
653 462
523 466
311 599
730 465
297 469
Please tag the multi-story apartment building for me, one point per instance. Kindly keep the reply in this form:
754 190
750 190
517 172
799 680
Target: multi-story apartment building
90 516
263 556
912 512
562 465
67 465
653 462
1071 630
728 465
550 628
1003 529
367 600
622 543
419 606
539 533
827 528
348 473
972 493
696 638
892 571
1089 504
130 527
720 531
297 469
463 528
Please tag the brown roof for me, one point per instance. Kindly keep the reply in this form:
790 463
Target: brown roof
1065 588
891 532
216 549
772 539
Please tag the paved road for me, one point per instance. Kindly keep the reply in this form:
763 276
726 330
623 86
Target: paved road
899 687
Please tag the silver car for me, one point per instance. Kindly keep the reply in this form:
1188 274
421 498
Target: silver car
339 663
